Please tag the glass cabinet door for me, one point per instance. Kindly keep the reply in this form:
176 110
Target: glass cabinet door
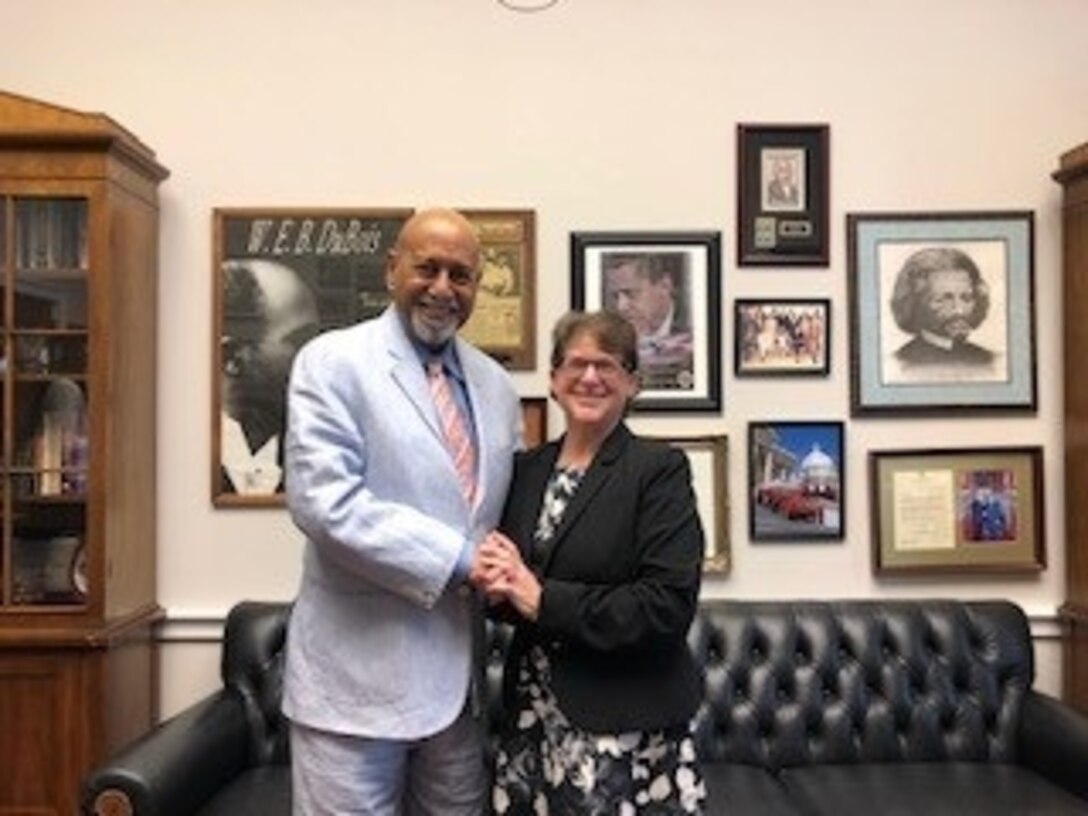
45 426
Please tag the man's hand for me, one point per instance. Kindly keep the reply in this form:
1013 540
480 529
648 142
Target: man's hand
499 572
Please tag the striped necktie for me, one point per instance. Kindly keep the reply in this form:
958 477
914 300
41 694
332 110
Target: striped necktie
453 427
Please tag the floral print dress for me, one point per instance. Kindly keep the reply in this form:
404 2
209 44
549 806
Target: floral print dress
546 766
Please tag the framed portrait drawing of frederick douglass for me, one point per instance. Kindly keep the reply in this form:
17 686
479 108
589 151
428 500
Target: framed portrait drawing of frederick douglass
942 312
280 277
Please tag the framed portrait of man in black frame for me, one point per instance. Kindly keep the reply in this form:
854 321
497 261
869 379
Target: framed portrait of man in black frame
668 284
783 195
942 312
281 276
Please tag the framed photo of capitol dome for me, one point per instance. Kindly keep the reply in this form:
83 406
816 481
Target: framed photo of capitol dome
796 481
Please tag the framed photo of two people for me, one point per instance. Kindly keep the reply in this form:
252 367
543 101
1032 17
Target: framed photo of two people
668 285
942 312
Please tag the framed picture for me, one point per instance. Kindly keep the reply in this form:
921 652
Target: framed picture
783 195
942 312
957 511
796 481
280 277
709 460
534 421
503 321
782 337
668 284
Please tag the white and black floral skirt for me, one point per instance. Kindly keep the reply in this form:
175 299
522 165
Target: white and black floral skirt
548 767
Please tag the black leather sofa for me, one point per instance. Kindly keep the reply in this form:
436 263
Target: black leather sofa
851 707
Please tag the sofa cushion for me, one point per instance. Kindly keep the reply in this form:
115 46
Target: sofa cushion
262 791
739 789
932 788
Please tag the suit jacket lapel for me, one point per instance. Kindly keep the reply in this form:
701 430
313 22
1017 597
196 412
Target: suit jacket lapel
598 475
408 373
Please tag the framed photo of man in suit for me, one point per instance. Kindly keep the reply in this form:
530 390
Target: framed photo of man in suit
668 285
280 277
783 195
942 310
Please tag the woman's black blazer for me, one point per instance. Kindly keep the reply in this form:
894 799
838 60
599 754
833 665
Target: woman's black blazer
620 584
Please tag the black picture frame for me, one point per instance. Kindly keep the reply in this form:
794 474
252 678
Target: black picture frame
339 257
783 194
782 337
680 368
897 366
796 480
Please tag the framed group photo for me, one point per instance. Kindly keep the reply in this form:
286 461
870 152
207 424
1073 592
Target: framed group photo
977 511
796 481
782 337
942 312
783 195
281 276
668 284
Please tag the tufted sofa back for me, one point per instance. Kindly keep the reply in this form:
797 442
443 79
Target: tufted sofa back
797 683
786 683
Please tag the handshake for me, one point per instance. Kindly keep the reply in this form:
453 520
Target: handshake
500 574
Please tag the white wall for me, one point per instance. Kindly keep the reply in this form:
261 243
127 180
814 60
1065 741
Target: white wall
598 114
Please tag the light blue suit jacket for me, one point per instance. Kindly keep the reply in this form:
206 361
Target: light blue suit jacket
379 643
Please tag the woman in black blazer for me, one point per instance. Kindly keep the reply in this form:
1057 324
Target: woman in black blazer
599 564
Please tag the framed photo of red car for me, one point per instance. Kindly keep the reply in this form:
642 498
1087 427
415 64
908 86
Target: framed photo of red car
668 284
783 194
942 312
782 337
796 481
977 511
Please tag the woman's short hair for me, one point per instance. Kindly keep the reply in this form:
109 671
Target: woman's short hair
612 332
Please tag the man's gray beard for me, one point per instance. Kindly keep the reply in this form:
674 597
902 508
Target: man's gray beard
431 335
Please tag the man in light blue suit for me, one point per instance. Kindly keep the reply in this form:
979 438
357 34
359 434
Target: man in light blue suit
380 644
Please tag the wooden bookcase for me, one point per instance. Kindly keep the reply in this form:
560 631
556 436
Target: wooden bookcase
78 292
1072 174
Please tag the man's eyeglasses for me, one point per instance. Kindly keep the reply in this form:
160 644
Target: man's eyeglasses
607 368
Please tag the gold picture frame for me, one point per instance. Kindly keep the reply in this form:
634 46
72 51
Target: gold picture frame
709 459
976 511
503 321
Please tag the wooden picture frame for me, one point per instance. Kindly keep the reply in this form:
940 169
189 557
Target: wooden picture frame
503 321
966 511
973 351
783 194
779 337
313 269
708 457
669 285
796 481
534 421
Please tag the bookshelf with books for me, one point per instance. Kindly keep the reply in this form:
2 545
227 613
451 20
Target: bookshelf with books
78 285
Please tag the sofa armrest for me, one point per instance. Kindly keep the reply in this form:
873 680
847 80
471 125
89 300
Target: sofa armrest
177 766
1054 742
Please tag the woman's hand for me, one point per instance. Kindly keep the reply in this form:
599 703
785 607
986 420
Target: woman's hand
500 573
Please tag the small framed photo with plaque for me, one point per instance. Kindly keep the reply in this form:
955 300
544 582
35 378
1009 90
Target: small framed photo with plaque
783 195
977 511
